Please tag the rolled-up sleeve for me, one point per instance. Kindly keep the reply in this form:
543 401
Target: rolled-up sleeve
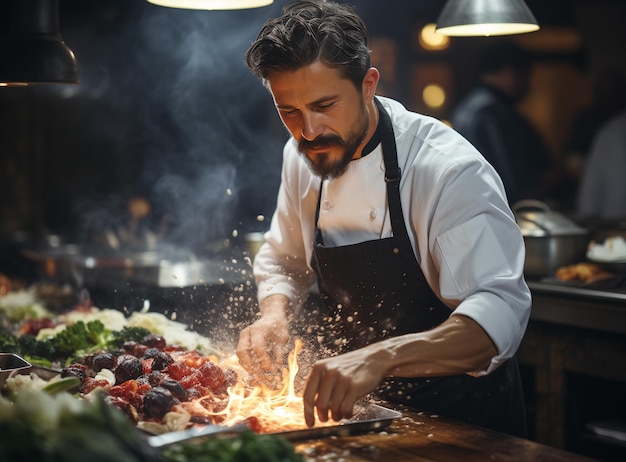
472 251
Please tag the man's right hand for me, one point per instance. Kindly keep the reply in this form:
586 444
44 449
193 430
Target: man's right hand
262 346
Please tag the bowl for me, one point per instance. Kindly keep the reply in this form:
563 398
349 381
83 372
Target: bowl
610 254
11 364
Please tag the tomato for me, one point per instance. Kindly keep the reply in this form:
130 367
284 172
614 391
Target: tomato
146 365
213 403
191 380
174 349
143 389
178 370
197 391
212 375
192 358
124 389
91 384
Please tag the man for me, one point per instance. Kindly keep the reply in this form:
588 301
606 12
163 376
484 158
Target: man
489 119
404 225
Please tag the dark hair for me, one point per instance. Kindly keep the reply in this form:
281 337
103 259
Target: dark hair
502 54
311 30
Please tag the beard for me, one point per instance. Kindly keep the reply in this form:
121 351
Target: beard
328 165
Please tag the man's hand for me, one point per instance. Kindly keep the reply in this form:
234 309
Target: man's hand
336 383
262 346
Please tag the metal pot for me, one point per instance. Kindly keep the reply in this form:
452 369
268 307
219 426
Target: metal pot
552 240
67 262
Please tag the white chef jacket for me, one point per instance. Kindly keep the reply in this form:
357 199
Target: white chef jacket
464 235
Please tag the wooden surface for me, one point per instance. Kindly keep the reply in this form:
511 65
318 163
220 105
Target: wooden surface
572 332
418 436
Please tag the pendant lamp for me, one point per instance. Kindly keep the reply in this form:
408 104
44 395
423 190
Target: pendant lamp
212 4
31 48
464 18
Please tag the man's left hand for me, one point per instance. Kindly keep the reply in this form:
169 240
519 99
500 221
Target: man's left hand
335 384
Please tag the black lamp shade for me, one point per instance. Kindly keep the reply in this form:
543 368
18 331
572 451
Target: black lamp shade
31 48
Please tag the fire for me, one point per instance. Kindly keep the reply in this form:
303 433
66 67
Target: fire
276 409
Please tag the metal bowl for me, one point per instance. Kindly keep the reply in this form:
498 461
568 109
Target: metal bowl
10 365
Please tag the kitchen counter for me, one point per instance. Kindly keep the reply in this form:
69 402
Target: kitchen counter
600 308
418 436
574 353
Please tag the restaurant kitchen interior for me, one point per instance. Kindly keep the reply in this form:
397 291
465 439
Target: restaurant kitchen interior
167 111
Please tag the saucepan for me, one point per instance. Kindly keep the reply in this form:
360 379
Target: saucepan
552 240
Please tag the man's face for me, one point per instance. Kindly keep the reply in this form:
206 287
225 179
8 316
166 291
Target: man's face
325 114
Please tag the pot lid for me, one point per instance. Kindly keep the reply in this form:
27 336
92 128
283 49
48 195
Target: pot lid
537 219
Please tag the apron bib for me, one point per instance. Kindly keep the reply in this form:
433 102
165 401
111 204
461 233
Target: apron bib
376 289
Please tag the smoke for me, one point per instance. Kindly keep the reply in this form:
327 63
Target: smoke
189 128
202 119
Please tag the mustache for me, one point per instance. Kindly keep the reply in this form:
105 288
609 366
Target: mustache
319 142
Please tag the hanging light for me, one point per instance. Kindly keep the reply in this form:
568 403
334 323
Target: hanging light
212 4
31 48
466 18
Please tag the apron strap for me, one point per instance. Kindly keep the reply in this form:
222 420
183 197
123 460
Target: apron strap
393 174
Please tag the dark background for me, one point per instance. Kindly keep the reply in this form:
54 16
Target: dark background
166 109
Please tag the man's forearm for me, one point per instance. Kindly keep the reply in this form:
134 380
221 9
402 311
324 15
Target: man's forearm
457 346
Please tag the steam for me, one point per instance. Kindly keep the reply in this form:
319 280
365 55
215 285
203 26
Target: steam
199 138
203 128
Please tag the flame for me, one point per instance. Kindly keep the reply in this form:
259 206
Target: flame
275 408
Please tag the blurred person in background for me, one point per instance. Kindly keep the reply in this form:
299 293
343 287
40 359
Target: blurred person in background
489 118
602 194
608 99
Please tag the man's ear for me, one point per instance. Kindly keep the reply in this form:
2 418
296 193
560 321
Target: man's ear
370 83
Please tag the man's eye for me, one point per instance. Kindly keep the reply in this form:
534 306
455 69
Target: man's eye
325 105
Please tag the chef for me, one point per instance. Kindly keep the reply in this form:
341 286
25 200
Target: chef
402 224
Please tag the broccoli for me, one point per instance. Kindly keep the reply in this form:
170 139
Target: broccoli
8 343
81 337
75 341
33 349
128 334
74 337
28 346
98 334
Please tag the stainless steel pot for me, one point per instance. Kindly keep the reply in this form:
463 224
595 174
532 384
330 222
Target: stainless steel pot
552 240
66 262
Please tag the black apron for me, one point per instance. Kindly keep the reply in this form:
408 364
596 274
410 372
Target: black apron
376 289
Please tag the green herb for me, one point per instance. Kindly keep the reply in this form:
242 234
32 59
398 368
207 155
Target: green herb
246 447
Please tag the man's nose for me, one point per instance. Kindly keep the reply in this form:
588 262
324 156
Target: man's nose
311 126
